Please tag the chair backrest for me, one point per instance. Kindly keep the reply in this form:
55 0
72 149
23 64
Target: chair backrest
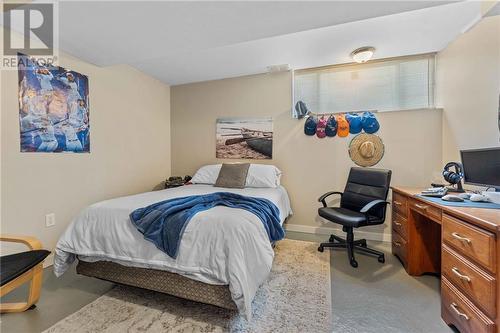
365 185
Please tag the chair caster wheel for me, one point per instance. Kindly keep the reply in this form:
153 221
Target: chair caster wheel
381 259
32 307
354 263
321 249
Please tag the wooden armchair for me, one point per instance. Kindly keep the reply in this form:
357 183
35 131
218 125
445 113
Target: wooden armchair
17 269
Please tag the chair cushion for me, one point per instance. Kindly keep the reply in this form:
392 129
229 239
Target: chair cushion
14 265
343 216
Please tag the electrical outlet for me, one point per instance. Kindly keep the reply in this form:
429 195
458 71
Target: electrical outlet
50 220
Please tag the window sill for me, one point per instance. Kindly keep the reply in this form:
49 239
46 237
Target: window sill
409 110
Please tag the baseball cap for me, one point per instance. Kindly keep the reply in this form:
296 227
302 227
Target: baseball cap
301 110
310 126
354 120
331 126
343 126
369 122
320 128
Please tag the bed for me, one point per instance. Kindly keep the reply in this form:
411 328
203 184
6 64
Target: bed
224 255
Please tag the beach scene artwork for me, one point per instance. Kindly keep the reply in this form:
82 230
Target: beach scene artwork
244 138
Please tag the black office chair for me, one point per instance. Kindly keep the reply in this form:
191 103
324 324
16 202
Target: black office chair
361 204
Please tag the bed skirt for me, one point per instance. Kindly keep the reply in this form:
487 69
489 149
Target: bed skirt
161 281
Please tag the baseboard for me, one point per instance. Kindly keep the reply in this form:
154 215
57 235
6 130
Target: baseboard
381 237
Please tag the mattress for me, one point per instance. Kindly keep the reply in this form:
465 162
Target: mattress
221 246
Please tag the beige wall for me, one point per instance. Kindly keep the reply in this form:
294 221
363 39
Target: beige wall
468 84
310 166
130 151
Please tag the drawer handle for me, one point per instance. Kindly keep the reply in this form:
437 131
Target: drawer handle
461 238
454 306
398 244
424 207
397 223
460 275
397 203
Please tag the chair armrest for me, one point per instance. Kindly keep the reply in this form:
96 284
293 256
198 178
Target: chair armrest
31 242
373 204
327 194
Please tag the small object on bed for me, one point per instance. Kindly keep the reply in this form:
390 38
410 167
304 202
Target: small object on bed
232 175
174 181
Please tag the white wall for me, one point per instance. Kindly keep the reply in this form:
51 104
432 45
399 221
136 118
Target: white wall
468 88
130 151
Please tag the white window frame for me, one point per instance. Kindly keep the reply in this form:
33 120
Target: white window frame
372 64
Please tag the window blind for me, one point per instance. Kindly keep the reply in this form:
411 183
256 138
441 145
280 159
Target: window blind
396 84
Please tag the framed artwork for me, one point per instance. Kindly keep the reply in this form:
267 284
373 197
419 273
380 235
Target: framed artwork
248 138
53 108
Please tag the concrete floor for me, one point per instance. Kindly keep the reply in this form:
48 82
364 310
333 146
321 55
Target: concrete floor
372 298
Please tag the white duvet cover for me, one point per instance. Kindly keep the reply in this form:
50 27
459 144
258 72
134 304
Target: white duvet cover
221 245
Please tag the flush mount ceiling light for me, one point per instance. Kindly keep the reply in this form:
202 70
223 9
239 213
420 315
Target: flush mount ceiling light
363 54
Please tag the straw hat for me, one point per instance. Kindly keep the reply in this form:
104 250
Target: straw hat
366 149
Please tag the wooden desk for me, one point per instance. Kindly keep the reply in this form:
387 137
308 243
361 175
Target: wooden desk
458 243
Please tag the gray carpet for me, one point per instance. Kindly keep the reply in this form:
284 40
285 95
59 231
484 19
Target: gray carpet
295 298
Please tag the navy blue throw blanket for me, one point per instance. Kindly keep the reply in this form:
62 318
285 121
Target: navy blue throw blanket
163 223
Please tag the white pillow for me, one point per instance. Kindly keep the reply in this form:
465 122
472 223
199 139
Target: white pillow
259 175
262 175
207 174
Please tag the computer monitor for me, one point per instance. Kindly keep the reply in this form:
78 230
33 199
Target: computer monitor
482 167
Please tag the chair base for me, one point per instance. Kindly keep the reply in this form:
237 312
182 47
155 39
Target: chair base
350 244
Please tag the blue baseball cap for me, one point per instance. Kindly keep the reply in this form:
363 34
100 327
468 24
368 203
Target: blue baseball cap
354 120
331 126
301 110
310 126
370 123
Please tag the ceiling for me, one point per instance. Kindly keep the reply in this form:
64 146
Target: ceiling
183 42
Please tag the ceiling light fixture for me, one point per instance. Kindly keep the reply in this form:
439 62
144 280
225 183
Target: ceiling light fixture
363 54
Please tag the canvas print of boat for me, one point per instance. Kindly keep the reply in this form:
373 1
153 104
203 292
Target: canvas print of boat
248 138
53 108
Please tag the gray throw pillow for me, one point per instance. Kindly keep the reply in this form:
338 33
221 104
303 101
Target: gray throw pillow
232 175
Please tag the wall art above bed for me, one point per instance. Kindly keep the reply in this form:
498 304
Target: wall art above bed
248 138
53 108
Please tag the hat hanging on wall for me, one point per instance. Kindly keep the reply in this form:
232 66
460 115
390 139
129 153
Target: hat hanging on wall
366 149
355 124
310 126
369 122
301 110
320 128
331 126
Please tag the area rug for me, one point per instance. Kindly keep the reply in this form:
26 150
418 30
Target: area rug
295 298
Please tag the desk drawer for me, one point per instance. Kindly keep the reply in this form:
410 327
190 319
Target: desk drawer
426 209
399 204
400 225
399 247
456 309
471 280
472 242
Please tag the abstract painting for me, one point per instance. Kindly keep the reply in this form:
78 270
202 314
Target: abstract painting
53 108
249 138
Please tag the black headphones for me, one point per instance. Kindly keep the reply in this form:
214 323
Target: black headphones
453 177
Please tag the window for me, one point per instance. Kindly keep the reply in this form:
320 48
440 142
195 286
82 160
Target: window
396 84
